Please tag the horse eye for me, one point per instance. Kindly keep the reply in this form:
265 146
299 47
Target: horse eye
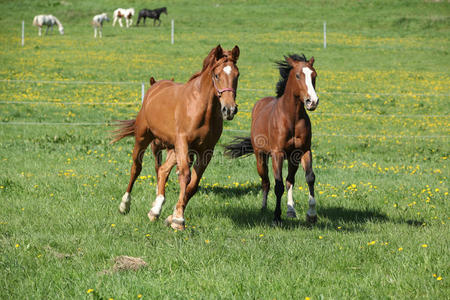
217 76
297 76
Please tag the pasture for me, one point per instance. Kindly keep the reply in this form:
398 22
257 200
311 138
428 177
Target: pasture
380 152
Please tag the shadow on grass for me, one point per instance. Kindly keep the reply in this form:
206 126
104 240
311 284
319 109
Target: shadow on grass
332 217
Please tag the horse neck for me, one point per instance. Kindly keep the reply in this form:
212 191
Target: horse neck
291 105
207 98
57 22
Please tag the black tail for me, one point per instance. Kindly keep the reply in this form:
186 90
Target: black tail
240 146
126 128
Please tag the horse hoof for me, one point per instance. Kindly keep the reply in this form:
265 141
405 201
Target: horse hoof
153 217
175 223
291 214
311 219
124 208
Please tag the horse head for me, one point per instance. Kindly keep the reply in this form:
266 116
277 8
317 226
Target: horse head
303 78
225 75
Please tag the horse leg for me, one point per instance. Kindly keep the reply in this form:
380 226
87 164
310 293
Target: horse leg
95 32
311 215
120 22
141 143
200 165
100 31
46 31
114 21
290 181
263 171
144 20
176 220
40 31
277 165
138 20
163 172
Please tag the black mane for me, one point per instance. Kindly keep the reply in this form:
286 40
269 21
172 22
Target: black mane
285 68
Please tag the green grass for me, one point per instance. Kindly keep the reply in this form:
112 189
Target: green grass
380 145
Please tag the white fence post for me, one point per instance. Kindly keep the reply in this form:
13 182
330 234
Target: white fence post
324 34
142 92
172 32
23 33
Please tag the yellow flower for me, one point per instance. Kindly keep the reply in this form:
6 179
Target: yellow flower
17 245
207 241
139 296
89 291
424 245
113 225
439 278
371 243
320 237
400 249
307 298
261 235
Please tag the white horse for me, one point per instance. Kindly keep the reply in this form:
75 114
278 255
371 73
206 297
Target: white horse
123 13
48 20
97 22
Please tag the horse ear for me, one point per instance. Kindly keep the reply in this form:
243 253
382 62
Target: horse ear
290 61
311 61
152 80
235 53
218 53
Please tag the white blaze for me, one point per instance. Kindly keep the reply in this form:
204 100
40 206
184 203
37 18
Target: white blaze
227 70
311 92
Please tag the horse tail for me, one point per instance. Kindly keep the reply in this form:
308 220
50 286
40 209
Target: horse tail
238 147
35 21
126 128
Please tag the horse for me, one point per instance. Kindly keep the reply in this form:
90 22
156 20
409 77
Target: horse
123 13
97 23
151 13
187 119
281 129
49 20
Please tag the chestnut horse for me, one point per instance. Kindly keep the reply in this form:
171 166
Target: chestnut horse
186 119
281 128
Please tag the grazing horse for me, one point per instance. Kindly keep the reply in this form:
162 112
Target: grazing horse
187 119
49 20
97 23
281 129
123 13
152 14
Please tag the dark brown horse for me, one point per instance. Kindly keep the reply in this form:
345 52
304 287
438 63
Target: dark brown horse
187 119
281 128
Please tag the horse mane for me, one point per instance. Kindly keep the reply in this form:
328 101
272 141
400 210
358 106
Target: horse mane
284 67
209 61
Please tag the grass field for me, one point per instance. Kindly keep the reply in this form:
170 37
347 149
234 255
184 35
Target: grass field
381 148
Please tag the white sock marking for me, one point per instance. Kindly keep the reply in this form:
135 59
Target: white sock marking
227 70
311 92
157 205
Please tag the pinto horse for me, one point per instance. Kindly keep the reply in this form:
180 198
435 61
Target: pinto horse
49 20
97 23
281 129
152 14
186 119
123 13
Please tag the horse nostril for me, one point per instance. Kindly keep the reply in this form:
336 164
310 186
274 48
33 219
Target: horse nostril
224 110
235 109
308 101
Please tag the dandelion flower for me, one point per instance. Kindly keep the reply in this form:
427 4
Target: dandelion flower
139 296
371 243
424 245
89 291
400 249
439 278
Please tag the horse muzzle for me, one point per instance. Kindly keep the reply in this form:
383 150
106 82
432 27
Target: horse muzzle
311 105
229 112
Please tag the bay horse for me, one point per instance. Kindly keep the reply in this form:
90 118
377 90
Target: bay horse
97 23
281 129
123 13
187 119
49 20
152 14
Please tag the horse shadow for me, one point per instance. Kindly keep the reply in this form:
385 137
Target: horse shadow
329 217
